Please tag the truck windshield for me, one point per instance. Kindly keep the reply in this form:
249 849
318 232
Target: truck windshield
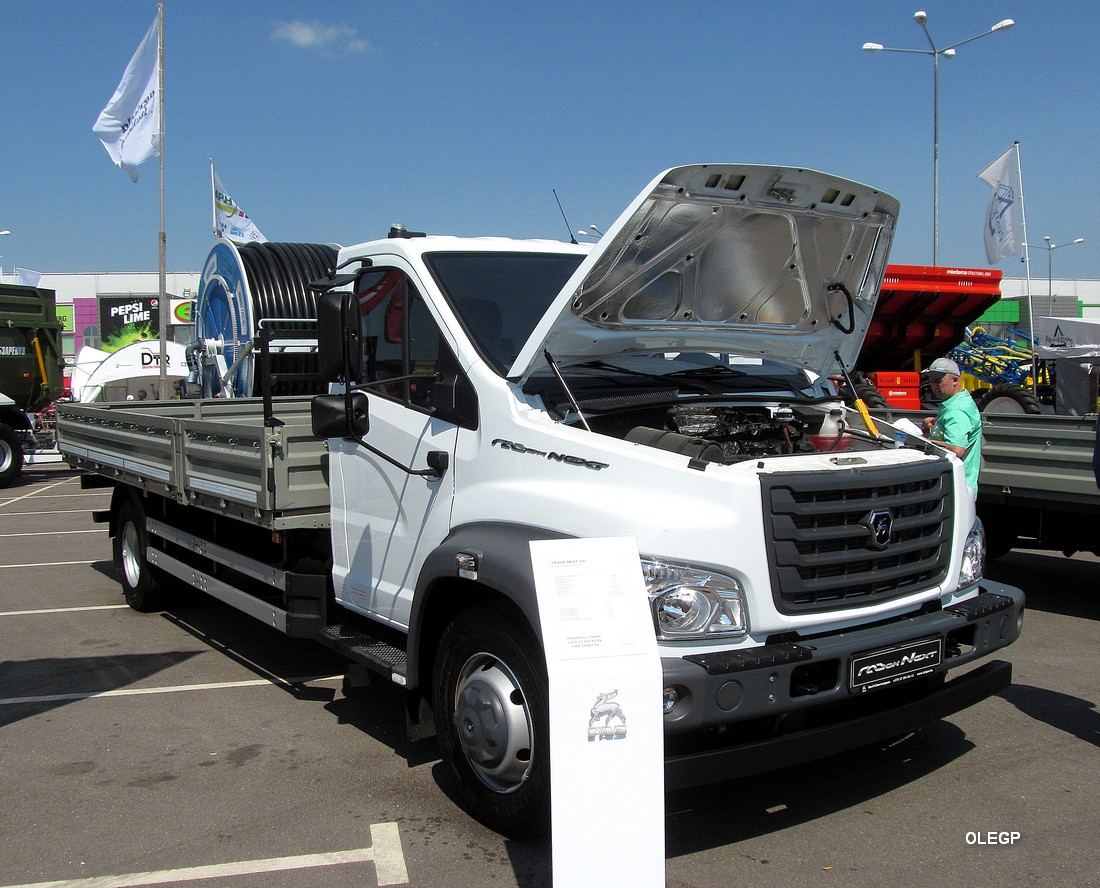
500 297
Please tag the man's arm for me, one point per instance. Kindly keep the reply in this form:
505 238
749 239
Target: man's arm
960 452
929 422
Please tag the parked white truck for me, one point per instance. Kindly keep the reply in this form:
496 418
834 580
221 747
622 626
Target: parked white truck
811 581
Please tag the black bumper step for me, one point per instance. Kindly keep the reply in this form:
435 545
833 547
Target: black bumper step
356 645
755 658
985 604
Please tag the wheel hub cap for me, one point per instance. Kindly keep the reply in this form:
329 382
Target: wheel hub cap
492 724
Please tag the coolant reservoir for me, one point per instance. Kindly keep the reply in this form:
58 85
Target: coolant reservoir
833 433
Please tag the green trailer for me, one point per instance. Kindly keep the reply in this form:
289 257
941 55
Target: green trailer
31 368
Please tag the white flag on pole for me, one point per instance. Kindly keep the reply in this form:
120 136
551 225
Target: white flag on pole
1004 218
27 277
128 126
232 222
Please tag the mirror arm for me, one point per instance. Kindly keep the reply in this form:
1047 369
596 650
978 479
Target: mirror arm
361 386
438 460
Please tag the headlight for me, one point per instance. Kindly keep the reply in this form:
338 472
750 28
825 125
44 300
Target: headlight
689 603
973 555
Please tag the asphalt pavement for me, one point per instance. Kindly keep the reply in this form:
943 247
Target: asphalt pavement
198 746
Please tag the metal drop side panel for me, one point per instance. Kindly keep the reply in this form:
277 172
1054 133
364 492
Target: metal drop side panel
217 455
1038 456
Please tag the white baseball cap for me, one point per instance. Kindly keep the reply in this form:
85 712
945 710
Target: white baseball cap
943 367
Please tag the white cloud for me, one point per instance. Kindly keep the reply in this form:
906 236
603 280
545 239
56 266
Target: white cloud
314 35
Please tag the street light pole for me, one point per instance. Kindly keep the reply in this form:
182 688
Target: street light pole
1050 247
921 18
2 233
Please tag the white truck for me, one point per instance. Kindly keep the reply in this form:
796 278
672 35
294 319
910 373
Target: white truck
812 580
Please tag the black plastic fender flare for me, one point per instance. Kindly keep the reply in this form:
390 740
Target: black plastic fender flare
504 568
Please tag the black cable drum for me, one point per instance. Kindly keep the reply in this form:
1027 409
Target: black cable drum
242 285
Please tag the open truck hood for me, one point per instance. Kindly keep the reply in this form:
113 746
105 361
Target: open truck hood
774 262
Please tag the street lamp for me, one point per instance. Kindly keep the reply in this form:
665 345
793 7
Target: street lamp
921 18
1050 247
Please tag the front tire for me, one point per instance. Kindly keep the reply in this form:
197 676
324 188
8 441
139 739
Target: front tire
491 705
11 455
140 586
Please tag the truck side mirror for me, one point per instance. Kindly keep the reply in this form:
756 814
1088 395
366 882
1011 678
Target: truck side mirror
340 416
341 355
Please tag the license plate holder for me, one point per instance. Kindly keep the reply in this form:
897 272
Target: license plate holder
886 667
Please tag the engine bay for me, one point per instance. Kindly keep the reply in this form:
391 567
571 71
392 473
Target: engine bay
730 433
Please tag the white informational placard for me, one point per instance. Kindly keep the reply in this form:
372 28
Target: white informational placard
606 731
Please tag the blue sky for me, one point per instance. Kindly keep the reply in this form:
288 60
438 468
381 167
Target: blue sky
330 120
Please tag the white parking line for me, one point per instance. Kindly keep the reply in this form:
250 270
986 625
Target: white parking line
172 689
51 563
78 493
41 533
389 859
36 493
386 853
63 610
48 512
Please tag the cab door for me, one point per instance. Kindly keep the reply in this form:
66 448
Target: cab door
390 508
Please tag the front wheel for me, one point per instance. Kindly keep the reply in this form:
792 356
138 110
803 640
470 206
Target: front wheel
491 703
11 455
140 586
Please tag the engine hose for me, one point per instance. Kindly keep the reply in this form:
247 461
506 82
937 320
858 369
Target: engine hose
244 285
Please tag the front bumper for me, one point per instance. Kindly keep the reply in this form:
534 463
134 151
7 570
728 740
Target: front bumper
781 704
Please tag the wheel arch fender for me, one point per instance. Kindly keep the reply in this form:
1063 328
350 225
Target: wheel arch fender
14 418
504 577
123 494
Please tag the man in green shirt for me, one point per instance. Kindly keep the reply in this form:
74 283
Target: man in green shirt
958 426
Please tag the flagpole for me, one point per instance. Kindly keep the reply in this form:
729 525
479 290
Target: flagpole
163 237
1027 274
213 199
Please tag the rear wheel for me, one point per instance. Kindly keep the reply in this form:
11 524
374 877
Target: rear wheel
11 455
140 586
491 703
1006 397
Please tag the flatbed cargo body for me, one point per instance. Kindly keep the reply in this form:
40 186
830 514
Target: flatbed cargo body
215 454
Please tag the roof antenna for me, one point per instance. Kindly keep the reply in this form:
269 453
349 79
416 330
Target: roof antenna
572 239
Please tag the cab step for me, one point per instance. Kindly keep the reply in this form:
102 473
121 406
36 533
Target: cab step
358 646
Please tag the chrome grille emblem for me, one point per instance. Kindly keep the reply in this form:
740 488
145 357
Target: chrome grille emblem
880 528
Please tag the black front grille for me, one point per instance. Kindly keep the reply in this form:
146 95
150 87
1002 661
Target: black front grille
824 554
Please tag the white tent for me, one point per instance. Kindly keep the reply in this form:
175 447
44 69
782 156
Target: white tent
103 376
1068 338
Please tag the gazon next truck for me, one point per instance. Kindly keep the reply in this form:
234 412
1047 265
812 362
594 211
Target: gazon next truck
812 580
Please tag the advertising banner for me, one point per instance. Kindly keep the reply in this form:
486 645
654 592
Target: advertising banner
124 320
182 311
